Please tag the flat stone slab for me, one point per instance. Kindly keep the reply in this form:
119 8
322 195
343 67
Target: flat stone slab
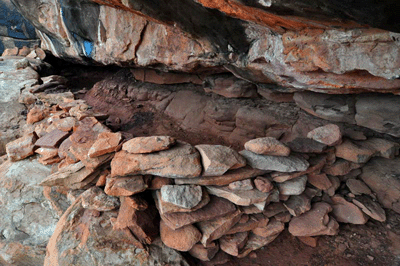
232 244
329 135
125 186
95 199
267 146
275 163
239 197
106 142
148 144
222 180
182 239
180 161
21 148
52 139
215 208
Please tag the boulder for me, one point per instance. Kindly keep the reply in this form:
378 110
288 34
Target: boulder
28 219
69 245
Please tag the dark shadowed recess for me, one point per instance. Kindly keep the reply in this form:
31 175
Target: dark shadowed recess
382 14
199 21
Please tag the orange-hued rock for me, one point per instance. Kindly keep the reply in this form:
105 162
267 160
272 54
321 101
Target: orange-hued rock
309 241
347 212
36 114
124 186
267 146
148 144
204 253
215 208
232 244
85 134
314 222
214 229
182 239
106 142
217 159
263 184
329 135
95 199
52 139
142 223
21 148
272 228
180 161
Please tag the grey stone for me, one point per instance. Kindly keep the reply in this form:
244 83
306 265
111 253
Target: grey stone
275 163
185 196
27 219
294 186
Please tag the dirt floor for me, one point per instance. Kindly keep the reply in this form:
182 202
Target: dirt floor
374 243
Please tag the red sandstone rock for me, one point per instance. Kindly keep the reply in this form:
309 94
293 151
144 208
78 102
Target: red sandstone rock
320 181
246 184
223 180
239 197
297 205
347 212
340 168
21 148
309 241
106 142
182 239
136 202
263 184
217 159
143 224
255 242
329 135
159 77
230 86
232 244
358 187
254 221
214 229
272 228
215 208
124 186
370 207
95 199
52 139
148 144
314 222
355 153
305 145
166 207
267 146
85 134
381 176
157 182
181 161
204 253
37 113
101 182
65 124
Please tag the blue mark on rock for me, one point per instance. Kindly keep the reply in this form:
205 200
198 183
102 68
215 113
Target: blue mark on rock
88 48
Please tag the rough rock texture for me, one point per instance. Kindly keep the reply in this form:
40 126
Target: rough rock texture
28 220
86 237
284 42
